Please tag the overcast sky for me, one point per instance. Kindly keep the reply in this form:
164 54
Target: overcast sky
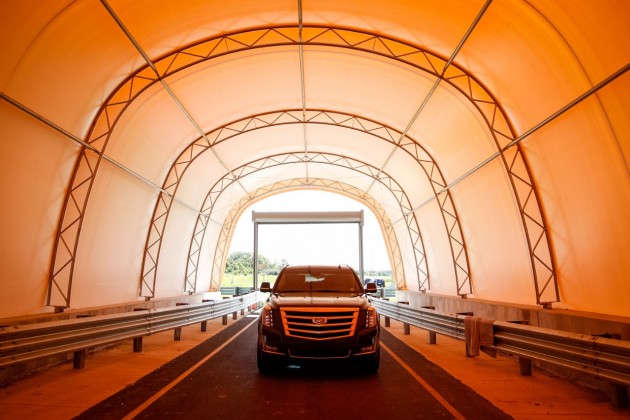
314 243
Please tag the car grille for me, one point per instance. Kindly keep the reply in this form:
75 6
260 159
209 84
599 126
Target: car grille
319 323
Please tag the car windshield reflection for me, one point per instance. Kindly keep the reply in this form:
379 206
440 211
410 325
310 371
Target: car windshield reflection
317 282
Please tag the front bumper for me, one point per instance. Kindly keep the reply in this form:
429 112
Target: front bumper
273 343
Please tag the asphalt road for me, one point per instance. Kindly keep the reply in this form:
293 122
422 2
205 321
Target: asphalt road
219 380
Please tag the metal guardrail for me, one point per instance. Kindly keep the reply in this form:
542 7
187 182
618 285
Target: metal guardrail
22 343
235 290
599 357
427 319
602 358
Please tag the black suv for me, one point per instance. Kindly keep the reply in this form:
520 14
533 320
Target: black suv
378 281
318 312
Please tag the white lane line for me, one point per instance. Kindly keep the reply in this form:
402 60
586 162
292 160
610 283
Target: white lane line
425 384
183 376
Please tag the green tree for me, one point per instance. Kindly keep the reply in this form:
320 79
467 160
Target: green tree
241 263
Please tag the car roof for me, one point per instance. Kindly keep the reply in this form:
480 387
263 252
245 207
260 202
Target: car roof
317 268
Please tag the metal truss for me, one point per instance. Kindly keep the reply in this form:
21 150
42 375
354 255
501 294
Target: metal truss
310 116
227 230
256 166
87 164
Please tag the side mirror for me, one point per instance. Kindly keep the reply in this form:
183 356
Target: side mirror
265 287
370 288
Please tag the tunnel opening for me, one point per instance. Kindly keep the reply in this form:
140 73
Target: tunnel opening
322 243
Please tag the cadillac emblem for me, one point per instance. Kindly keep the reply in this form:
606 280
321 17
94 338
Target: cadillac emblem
320 321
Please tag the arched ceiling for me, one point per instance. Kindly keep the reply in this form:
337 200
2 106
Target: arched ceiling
488 132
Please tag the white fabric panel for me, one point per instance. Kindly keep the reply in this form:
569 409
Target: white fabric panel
408 255
171 269
36 163
497 251
163 25
453 132
421 22
66 67
347 142
151 134
366 84
587 205
438 251
200 178
530 67
113 236
258 144
208 250
411 177
349 176
239 85
387 200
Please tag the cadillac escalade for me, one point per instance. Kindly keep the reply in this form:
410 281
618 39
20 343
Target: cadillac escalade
318 313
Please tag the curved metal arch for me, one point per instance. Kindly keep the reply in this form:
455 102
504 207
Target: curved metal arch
311 116
337 187
255 166
89 159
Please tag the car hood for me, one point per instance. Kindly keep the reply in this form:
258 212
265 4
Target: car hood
319 299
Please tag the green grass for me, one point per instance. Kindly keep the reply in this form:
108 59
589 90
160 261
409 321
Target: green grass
231 280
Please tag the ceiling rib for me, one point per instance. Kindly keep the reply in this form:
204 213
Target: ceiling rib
253 167
435 85
528 133
320 184
92 149
302 84
179 104
294 116
87 166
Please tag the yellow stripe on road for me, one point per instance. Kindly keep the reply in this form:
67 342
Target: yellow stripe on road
183 376
425 384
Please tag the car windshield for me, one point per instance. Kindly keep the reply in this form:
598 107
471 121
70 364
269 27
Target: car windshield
317 282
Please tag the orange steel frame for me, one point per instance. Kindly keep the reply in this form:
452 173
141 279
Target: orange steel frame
91 154
338 187
295 116
299 158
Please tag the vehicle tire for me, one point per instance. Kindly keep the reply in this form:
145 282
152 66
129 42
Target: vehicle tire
372 363
265 364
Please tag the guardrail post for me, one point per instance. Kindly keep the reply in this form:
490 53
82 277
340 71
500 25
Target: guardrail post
177 331
204 324
235 315
619 393
137 344
137 341
79 359
432 334
524 366
619 396
224 319
387 321
406 327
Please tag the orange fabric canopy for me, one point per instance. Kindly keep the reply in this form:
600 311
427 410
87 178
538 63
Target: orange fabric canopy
492 135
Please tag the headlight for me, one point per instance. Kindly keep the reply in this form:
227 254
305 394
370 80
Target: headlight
267 316
370 318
